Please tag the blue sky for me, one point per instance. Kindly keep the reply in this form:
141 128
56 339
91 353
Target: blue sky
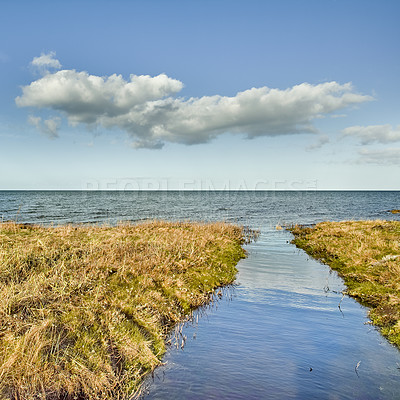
200 94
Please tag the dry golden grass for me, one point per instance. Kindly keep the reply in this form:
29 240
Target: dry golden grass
367 255
85 310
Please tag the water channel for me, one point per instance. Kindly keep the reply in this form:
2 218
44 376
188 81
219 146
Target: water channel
280 335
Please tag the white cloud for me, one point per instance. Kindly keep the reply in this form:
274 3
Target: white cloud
374 133
92 99
145 108
48 127
45 62
388 156
321 141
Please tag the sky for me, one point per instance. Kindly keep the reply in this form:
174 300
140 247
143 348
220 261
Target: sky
200 95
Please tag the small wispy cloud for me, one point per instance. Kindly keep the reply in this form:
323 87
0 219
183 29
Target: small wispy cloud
374 133
48 127
388 156
46 62
146 108
321 141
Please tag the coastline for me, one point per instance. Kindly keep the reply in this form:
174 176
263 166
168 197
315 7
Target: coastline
87 309
366 254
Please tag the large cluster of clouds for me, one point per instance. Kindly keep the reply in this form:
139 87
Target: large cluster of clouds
148 109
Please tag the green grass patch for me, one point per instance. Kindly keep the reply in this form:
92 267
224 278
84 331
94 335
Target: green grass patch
85 310
366 254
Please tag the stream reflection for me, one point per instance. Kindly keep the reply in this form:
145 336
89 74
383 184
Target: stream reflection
281 336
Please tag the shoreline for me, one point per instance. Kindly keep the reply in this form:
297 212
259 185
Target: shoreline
87 309
366 255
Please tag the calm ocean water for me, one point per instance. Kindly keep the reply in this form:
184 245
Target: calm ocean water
254 208
279 334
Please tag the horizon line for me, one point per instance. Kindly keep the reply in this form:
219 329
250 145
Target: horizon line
199 190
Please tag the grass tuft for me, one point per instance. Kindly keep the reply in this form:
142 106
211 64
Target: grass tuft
366 254
85 310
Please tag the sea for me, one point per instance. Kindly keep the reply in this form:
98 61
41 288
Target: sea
278 332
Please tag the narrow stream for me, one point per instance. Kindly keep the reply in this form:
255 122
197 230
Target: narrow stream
281 335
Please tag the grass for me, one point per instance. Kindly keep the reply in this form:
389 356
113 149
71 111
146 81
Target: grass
366 254
85 310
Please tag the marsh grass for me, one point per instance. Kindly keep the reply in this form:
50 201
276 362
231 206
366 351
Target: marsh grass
366 254
85 310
